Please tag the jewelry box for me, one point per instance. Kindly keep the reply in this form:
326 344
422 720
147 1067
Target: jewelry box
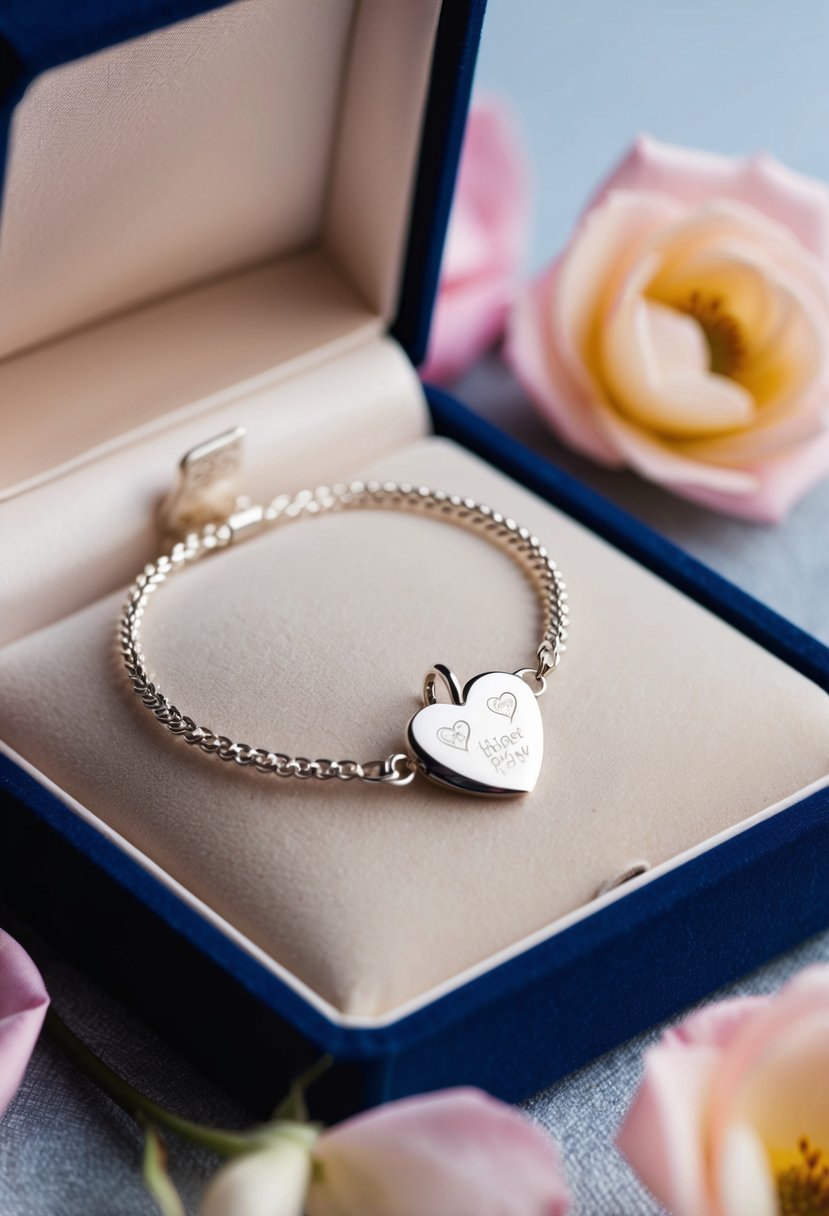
221 215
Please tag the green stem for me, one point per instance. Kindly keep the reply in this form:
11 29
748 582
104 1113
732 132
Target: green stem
294 1106
136 1104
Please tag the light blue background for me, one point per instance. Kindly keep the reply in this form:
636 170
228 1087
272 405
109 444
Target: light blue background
586 76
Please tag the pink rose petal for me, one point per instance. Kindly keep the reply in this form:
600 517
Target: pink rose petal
469 317
693 177
777 485
455 1153
537 364
484 244
716 1025
663 1136
23 1002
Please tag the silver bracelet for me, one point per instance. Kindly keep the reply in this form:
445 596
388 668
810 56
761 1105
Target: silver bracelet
487 739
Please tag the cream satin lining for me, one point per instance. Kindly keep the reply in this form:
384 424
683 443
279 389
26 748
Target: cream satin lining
664 727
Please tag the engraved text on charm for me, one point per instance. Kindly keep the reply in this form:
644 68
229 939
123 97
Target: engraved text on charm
495 747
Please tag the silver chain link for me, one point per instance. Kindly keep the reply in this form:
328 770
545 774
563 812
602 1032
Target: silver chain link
397 768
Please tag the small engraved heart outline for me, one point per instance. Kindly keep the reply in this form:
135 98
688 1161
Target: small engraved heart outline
456 735
497 705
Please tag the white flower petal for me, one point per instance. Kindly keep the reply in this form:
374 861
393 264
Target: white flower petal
656 370
745 1186
269 1182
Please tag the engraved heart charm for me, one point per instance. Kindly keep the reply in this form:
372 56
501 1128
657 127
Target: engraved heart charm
488 740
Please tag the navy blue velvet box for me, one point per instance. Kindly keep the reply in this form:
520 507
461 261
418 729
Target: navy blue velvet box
524 1022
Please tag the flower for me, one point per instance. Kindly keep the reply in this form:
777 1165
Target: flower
732 1115
683 330
23 1001
484 244
271 1181
454 1153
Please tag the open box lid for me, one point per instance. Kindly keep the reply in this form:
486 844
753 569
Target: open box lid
201 222
217 137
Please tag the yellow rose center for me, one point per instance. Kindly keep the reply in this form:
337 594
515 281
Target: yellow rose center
802 1178
723 333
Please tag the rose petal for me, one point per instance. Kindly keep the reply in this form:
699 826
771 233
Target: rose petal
775 487
269 1182
795 1006
469 316
663 1135
715 1025
784 1095
491 207
665 463
799 203
744 1181
783 481
23 1002
484 244
591 272
564 403
457 1152
655 363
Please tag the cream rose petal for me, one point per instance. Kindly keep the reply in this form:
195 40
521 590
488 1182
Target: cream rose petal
738 230
269 1182
792 1027
786 1094
664 463
550 329
592 270
655 367
744 1183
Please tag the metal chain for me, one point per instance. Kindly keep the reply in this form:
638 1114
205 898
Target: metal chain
526 550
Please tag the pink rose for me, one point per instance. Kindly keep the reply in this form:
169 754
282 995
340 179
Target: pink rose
23 1001
484 244
683 330
453 1153
732 1116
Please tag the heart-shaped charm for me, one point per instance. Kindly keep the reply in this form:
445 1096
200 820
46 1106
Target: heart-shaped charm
488 740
